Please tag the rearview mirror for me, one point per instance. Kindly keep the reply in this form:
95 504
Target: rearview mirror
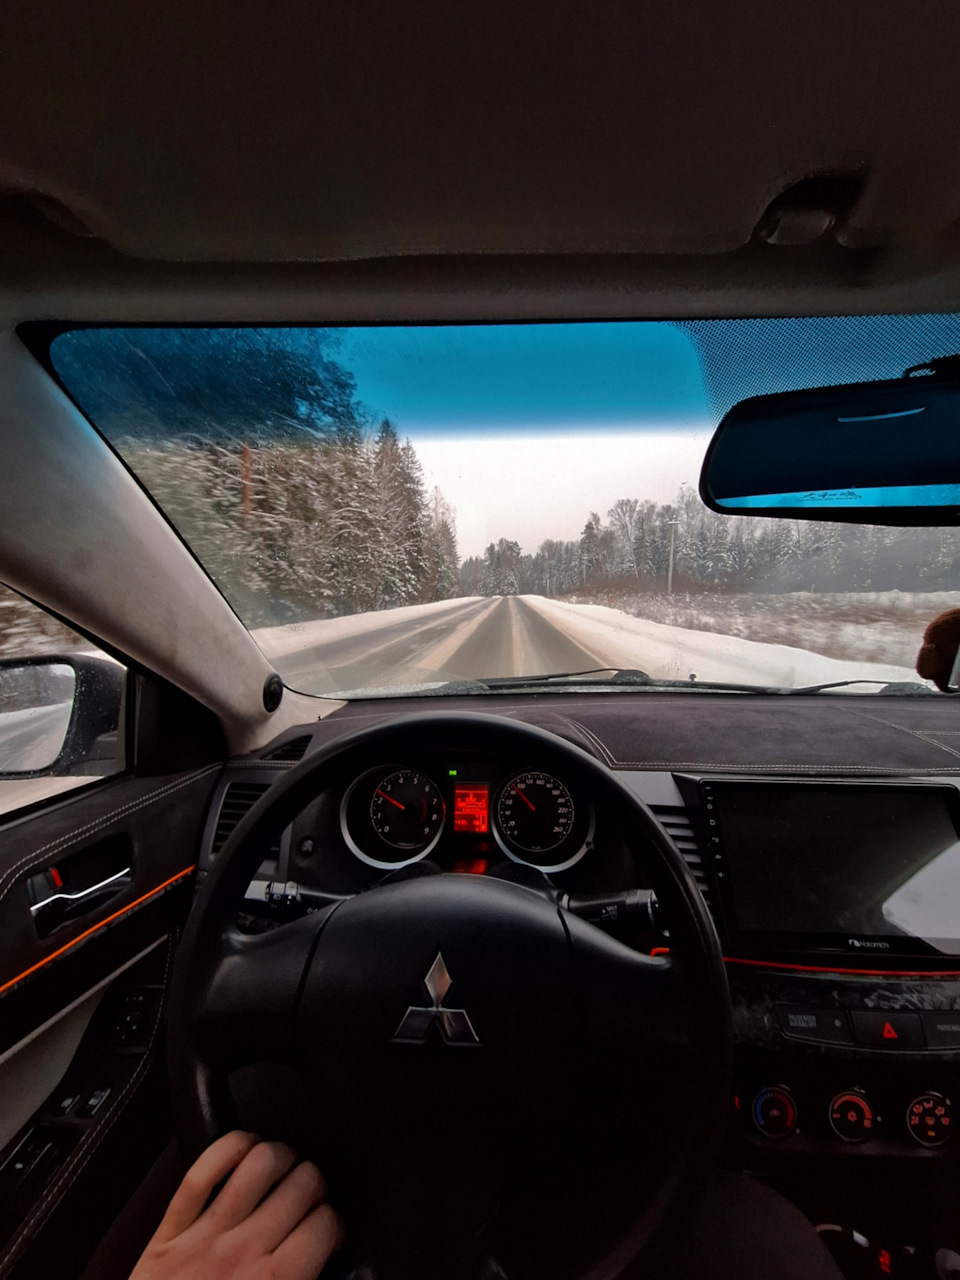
871 452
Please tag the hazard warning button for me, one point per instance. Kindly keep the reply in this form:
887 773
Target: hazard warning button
889 1030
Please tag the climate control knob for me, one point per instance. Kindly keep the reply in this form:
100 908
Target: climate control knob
851 1117
929 1119
775 1112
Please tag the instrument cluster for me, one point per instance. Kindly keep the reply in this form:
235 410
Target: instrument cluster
394 815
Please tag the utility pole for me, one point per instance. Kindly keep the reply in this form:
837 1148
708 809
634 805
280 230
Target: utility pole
673 533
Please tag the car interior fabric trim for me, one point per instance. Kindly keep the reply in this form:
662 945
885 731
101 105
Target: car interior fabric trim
101 924
96 989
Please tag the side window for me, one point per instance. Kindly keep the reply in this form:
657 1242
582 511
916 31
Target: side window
61 707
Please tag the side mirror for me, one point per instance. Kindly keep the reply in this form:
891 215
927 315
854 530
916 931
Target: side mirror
60 715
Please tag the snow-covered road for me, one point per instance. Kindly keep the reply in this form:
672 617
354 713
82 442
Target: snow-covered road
31 739
530 635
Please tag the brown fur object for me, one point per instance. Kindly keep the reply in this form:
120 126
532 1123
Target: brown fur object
940 640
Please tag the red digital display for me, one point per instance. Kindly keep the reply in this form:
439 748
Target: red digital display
471 866
471 807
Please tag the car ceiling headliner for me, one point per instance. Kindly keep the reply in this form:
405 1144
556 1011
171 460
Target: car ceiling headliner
587 156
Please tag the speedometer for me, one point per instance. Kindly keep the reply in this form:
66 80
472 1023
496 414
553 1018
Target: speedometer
536 819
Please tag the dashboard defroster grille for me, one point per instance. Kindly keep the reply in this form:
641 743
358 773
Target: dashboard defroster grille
676 820
292 751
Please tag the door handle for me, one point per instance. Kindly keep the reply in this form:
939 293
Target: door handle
79 885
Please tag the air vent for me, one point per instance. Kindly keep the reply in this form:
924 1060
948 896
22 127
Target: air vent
292 751
238 799
677 822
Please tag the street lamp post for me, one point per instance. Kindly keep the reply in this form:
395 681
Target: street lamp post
673 533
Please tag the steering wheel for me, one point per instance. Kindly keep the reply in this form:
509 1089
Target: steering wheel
467 1044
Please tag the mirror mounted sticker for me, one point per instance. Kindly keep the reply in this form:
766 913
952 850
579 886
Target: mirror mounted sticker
871 453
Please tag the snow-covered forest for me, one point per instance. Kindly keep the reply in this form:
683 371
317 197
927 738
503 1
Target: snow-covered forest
629 551
298 500
297 530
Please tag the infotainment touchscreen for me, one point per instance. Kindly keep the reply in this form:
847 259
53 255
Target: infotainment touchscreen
851 866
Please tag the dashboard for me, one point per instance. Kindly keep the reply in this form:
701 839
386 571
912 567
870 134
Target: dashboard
464 812
832 873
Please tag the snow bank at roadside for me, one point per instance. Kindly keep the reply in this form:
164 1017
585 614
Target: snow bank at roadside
674 653
882 626
279 641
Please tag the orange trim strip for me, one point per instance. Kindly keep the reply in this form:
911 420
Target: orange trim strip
870 973
94 929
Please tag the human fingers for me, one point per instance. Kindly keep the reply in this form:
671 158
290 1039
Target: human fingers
306 1249
257 1172
288 1204
190 1198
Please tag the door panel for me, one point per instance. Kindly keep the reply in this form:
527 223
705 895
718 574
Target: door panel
93 891
68 1171
31 1070
159 821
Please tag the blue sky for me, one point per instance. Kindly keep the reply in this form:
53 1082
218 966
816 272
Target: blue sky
561 420
607 376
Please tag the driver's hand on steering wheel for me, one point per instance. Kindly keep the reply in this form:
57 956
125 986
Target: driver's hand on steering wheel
270 1221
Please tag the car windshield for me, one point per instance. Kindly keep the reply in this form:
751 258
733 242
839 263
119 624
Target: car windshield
399 509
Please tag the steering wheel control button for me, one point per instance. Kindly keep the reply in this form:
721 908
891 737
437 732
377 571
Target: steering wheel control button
775 1112
800 1022
929 1119
942 1029
851 1117
888 1030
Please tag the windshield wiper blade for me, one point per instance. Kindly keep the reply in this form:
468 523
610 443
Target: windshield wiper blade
619 677
633 677
552 676
898 688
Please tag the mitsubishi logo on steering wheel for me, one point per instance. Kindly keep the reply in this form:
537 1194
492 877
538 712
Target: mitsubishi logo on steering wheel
455 1027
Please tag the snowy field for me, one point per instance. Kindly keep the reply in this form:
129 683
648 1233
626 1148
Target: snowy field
878 626
675 653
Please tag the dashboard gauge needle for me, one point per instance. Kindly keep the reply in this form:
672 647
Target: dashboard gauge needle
390 800
532 807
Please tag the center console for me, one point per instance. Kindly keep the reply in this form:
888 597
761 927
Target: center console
838 904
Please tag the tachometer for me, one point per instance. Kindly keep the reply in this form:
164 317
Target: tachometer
391 817
536 821
406 811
